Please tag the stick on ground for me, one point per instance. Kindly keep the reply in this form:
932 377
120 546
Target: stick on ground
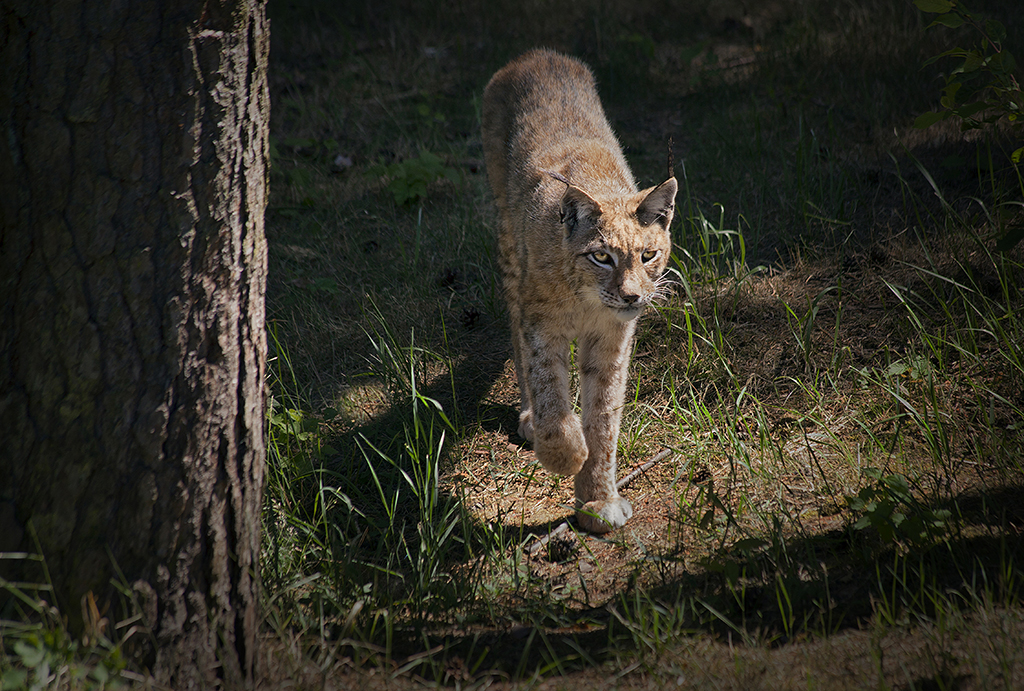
624 482
660 456
545 539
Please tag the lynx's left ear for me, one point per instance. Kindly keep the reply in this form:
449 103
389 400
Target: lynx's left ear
659 204
577 208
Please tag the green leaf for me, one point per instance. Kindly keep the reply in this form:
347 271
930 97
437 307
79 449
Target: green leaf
929 119
972 63
972 108
894 370
326 285
952 20
298 142
885 508
14 679
951 53
898 484
1013 236
749 544
949 93
31 656
1003 63
995 30
732 571
934 6
101 674
1016 155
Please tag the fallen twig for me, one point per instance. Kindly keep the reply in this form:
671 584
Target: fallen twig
660 456
545 539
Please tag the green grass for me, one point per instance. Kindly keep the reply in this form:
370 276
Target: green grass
838 371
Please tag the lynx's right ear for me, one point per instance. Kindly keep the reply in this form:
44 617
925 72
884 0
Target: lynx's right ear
578 210
659 204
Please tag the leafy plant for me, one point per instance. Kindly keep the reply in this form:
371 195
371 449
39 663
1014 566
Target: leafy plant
983 88
888 506
37 651
291 422
51 659
407 548
408 179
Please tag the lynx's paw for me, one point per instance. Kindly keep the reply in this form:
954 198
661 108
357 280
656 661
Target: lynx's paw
604 515
561 448
526 425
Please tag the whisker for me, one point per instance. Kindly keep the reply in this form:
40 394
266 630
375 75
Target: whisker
663 288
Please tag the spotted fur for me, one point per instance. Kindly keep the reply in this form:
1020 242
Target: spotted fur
581 252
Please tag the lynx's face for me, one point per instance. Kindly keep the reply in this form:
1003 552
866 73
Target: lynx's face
626 275
621 246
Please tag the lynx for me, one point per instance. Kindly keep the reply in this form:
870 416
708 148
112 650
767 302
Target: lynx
581 252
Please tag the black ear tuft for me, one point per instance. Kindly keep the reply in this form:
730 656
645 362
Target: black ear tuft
578 210
659 204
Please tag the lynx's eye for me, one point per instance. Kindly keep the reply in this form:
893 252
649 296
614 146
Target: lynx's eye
649 255
602 258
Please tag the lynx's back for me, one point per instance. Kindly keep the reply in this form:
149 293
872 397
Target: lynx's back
542 112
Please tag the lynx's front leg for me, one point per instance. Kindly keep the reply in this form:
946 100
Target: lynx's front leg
604 364
557 435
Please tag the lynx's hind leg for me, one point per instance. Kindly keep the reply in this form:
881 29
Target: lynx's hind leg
525 400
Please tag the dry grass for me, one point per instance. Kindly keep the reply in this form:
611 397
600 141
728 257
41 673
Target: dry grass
849 333
834 392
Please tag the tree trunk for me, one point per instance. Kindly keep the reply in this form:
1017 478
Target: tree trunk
133 172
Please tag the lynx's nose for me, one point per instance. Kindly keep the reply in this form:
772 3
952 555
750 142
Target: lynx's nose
630 290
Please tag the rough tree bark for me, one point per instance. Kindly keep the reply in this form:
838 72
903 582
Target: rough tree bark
133 159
